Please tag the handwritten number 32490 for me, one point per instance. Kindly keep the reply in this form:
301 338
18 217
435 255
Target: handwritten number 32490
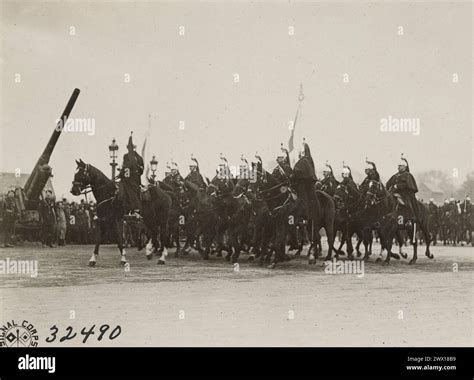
70 334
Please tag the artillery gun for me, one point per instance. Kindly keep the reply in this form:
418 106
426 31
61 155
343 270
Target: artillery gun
28 197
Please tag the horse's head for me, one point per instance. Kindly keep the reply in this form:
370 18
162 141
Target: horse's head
341 194
374 191
81 178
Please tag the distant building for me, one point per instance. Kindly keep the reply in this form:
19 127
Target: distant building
427 190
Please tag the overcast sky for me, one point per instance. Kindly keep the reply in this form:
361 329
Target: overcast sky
400 60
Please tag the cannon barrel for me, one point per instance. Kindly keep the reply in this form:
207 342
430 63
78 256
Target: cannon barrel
42 171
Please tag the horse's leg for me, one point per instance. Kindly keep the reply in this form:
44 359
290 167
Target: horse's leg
400 244
98 240
366 236
163 241
330 237
119 229
280 238
428 238
350 247
329 228
359 242
149 247
414 241
342 241
388 242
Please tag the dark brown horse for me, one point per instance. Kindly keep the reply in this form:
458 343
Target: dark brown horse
110 211
393 219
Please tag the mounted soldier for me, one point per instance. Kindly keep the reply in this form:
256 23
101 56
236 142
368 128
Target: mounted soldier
371 175
168 179
329 182
194 175
176 180
130 179
348 182
282 171
222 182
304 178
403 186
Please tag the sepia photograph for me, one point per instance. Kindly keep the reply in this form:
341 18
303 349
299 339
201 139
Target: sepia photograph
237 174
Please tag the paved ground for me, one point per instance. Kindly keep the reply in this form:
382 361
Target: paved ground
196 303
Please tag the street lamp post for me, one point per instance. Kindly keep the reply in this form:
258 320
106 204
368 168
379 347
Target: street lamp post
153 166
113 148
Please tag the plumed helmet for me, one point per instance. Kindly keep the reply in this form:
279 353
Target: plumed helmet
369 165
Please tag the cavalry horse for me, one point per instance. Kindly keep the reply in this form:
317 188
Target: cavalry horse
349 220
390 216
111 212
282 211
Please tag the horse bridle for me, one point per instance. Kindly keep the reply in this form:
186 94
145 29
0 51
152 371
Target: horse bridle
373 196
86 189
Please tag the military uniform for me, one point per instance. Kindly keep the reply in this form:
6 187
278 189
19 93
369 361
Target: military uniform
196 178
62 224
283 171
329 184
9 217
129 188
404 184
48 221
351 187
372 176
304 177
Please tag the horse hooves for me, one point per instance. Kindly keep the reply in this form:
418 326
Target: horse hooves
149 257
271 266
328 258
92 264
251 258
429 255
161 262
123 263
386 262
396 256
378 260
412 261
312 261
